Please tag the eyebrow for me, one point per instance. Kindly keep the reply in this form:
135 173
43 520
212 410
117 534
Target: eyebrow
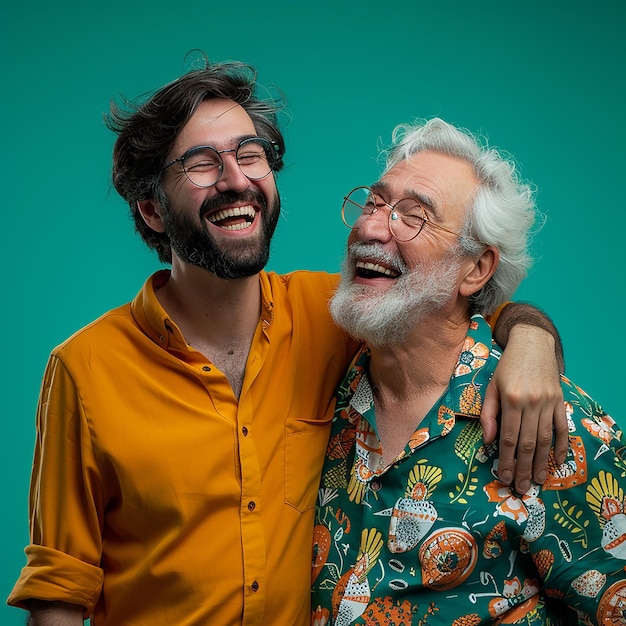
234 141
421 198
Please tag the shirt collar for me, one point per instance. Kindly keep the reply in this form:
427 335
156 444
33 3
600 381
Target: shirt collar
155 322
467 384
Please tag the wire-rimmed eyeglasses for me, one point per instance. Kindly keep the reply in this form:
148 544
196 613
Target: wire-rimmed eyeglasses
407 217
203 165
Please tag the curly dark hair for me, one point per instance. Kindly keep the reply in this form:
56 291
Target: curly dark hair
147 131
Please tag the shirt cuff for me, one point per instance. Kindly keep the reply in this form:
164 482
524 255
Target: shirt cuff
55 576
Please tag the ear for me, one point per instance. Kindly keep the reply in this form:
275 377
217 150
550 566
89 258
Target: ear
480 271
151 213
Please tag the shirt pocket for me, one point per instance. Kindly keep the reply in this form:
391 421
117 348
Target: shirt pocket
305 445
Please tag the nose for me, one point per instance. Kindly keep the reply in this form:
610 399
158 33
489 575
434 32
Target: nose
232 178
375 227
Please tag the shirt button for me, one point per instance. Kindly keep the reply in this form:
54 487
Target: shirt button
255 586
244 431
206 368
375 485
251 505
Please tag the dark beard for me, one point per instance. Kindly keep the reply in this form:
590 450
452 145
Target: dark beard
194 244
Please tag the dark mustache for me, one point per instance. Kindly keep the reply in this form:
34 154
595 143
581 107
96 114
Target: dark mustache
229 198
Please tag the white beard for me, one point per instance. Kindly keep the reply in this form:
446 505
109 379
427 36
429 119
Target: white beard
385 318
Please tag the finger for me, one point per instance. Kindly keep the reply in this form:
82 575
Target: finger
561 432
544 443
489 413
509 434
526 445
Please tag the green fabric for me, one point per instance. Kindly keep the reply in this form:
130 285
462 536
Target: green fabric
435 539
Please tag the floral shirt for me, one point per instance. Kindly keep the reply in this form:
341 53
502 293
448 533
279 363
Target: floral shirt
436 539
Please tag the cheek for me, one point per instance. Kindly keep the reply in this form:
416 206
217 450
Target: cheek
190 196
415 256
268 188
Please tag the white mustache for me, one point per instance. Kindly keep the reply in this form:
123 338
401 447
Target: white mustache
374 252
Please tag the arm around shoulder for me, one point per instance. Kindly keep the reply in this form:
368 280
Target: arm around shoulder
515 314
526 392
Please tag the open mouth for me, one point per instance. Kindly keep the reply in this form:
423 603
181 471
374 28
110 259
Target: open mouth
235 218
367 269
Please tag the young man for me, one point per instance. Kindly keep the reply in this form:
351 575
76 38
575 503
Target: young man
413 525
180 437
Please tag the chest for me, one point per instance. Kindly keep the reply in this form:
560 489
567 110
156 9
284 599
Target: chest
396 425
432 522
231 360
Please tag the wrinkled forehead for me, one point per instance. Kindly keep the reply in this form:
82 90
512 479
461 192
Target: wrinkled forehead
435 179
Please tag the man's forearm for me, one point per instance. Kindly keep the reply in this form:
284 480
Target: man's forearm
44 613
517 313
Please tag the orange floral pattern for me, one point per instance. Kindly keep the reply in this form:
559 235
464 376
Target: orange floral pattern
434 539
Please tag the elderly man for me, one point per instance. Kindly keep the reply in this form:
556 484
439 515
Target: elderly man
412 524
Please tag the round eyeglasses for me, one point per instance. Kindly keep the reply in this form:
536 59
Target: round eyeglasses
407 217
203 165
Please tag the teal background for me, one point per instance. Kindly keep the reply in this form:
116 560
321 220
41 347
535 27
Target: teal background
543 80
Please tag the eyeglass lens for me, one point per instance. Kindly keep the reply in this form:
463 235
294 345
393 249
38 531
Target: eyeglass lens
203 165
406 218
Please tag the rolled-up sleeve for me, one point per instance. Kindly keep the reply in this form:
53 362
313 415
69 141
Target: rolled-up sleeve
65 547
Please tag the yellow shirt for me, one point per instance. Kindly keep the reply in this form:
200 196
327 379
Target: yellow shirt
156 497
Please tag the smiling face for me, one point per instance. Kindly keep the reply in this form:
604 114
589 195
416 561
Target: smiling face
387 286
225 229
444 186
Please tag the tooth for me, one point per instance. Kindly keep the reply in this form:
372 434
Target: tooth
241 226
247 210
375 267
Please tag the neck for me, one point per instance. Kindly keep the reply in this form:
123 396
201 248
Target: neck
423 360
217 317
408 378
195 296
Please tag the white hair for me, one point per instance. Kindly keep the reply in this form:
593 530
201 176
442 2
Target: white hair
503 210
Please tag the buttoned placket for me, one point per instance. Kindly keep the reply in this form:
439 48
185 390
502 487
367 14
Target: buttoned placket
252 531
